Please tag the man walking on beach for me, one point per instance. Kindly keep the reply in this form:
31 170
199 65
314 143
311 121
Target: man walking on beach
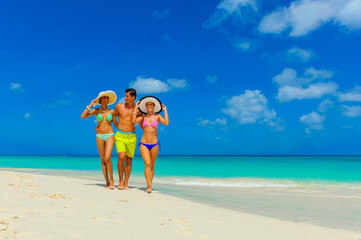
125 137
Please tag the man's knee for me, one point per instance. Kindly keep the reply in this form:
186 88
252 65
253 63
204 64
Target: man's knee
128 160
121 157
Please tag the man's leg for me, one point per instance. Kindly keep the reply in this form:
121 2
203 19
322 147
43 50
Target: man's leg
131 145
121 160
121 149
128 169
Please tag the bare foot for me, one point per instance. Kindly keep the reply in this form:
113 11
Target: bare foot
126 187
121 185
149 190
111 184
110 187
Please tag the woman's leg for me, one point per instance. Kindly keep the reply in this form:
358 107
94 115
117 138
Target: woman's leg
101 149
144 151
109 144
153 156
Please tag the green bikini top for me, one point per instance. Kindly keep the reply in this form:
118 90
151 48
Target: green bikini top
109 117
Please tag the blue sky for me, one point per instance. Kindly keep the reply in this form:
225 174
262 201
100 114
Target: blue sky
237 76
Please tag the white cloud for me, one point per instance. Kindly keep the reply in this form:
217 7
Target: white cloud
276 125
275 22
313 74
350 15
152 85
232 6
299 53
16 87
229 8
304 16
244 45
161 13
317 90
325 105
211 79
313 120
293 87
351 111
249 107
177 83
27 115
206 122
149 85
354 95
288 77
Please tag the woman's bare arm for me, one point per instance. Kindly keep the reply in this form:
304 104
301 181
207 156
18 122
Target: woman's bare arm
87 112
136 118
164 120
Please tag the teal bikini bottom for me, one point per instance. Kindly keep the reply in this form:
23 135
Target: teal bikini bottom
105 137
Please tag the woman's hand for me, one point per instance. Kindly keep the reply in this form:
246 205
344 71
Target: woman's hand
164 107
136 108
95 101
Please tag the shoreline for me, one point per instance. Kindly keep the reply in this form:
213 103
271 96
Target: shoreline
322 203
33 194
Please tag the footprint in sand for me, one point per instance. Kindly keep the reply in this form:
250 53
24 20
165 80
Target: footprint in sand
98 218
56 196
33 185
4 225
14 185
67 206
177 220
31 195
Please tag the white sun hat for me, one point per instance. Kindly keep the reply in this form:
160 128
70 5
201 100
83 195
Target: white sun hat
112 96
157 104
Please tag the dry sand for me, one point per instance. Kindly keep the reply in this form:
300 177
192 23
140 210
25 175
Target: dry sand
55 207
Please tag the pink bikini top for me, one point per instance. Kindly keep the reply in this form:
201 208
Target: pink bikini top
153 124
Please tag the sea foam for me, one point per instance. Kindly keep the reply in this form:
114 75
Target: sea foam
228 182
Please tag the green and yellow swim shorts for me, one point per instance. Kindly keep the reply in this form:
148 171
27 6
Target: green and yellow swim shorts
126 142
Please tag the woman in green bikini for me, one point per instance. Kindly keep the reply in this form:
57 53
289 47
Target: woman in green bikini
105 137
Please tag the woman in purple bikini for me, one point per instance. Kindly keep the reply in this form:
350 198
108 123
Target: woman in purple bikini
149 144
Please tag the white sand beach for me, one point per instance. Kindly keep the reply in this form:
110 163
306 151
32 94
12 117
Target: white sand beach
55 207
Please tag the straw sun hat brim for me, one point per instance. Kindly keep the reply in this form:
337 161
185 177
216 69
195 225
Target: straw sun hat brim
112 96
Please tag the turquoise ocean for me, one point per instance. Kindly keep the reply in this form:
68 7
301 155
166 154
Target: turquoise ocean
324 190
224 168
